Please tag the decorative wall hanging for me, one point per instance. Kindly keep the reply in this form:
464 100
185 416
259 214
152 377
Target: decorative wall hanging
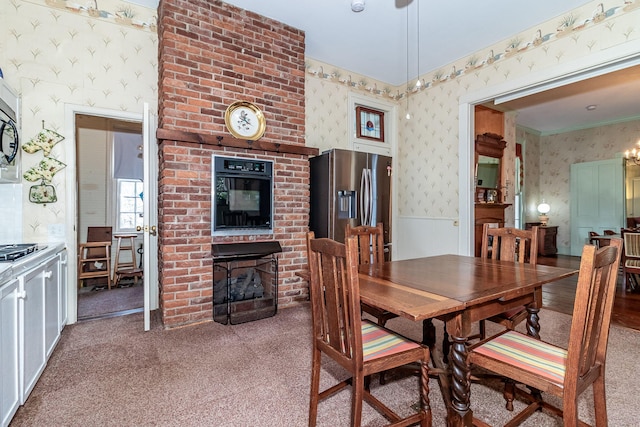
42 193
45 140
45 170
369 124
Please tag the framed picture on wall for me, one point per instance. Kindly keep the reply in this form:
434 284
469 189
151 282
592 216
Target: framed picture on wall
369 124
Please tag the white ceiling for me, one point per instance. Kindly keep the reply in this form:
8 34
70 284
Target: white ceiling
375 43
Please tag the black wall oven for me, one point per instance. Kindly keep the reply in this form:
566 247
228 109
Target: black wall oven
242 199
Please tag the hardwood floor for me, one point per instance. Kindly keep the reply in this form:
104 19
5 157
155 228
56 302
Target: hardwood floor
559 295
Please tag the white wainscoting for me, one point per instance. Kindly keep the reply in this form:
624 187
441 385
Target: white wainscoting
416 237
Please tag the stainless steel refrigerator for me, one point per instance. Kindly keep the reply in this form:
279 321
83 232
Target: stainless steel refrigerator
350 187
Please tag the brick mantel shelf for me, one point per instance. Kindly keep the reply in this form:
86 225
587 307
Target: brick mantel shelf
229 141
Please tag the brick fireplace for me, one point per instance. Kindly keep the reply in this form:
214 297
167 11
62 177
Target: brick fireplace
212 54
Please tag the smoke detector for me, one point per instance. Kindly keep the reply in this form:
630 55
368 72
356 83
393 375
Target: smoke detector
357 5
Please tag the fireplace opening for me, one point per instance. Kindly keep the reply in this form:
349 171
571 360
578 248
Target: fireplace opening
245 281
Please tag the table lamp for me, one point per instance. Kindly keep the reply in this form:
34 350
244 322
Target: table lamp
544 209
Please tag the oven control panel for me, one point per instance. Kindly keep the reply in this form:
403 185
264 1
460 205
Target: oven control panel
244 165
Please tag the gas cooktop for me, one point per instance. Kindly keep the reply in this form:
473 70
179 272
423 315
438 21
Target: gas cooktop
13 252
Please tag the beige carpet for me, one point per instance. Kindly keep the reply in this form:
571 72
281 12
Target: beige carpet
95 303
111 373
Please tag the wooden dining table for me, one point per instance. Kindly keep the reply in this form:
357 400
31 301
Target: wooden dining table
459 290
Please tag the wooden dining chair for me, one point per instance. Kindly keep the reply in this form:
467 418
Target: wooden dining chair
592 241
564 373
370 242
360 346
509 244
630 260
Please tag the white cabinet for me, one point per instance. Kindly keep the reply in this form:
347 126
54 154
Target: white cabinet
33 313
62 289
9 357
32 327
51 275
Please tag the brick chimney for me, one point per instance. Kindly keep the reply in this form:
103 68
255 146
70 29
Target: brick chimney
212 54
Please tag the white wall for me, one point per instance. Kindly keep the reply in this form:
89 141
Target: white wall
422 237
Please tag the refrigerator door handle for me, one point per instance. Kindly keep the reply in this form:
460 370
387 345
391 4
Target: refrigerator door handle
366 198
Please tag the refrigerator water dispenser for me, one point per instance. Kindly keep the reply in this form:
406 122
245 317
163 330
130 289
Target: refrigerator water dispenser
347 204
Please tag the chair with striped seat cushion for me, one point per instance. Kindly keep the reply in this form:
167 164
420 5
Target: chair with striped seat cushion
509 244
360 346
529 354
370 242
379 342
565 373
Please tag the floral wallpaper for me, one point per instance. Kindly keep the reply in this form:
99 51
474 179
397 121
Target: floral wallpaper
56 52
427 165
558 152
104 54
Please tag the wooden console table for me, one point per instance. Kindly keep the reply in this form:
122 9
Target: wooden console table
547 238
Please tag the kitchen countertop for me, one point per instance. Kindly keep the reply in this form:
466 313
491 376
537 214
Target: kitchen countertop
5 272
10 269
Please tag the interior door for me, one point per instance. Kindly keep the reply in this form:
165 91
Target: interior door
597 199
150 208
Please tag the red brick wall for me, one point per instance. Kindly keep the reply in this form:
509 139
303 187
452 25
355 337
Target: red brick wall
212 54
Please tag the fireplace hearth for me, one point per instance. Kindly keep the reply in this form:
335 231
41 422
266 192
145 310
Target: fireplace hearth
245 281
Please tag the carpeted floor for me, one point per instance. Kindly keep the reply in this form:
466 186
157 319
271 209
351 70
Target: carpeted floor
111 373
94 303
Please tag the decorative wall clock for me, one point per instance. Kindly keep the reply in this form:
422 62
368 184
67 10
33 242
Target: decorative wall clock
244 120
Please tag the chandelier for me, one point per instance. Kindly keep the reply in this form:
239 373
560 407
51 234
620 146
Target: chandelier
633 155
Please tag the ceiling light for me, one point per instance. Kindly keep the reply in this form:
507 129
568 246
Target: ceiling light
591 107
357 5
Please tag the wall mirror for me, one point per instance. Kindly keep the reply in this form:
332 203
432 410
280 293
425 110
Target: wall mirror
489 150
488 171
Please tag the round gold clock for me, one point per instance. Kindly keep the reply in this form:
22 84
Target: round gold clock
244 120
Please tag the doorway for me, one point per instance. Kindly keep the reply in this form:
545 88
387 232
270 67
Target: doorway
595 65
109 165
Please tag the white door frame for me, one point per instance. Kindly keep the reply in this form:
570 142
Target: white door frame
596 64
71 195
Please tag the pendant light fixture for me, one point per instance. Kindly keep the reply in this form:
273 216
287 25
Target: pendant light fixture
418 83
408 116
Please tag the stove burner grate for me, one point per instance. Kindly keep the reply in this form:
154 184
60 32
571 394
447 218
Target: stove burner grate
13 252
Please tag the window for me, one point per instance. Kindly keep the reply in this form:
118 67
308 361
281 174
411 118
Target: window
129 205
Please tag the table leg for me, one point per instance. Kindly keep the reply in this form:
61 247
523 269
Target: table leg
533 322
459 413
428 333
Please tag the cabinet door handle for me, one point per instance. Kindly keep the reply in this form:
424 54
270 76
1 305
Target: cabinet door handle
48 274
21 294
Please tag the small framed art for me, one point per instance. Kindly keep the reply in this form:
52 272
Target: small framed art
369 124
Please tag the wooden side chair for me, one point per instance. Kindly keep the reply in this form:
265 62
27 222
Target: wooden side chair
509 244
630 260
360 346
94 256
370 241
564 373
592 241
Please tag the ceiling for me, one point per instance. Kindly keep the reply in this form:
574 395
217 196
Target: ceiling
384 41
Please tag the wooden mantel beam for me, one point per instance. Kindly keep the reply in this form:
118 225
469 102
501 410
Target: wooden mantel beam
229 141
